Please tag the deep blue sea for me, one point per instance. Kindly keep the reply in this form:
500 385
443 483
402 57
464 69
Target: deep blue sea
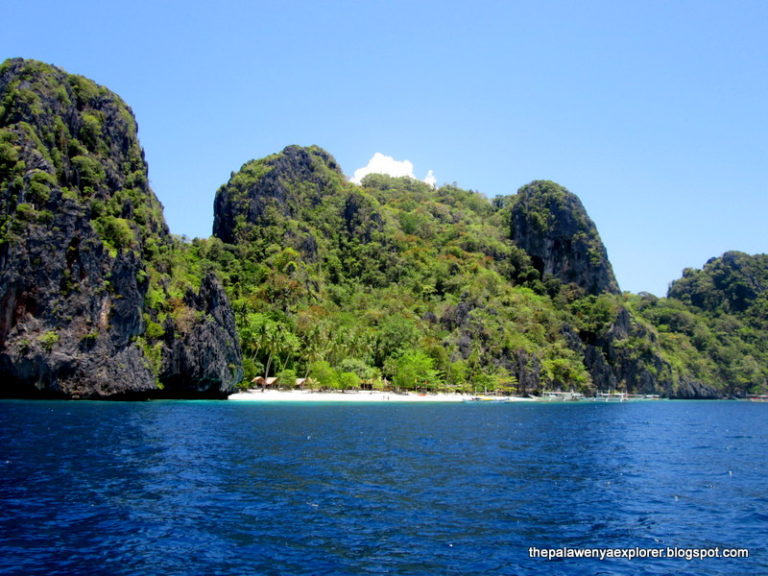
231 488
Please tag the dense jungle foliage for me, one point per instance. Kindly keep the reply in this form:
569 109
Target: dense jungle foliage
389 283
394 281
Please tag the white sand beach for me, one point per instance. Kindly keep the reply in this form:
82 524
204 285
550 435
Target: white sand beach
359 396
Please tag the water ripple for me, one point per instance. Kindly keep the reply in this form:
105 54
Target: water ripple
215 488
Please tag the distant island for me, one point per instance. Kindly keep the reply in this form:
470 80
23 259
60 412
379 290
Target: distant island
389 284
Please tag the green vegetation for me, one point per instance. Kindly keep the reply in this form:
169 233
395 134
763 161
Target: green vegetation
388 284
715 322
69 146
48 340
391 280
426 289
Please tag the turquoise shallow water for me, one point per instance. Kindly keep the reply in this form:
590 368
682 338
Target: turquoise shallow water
218 488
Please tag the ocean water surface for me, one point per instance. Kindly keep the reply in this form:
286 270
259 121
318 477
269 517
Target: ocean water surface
231 488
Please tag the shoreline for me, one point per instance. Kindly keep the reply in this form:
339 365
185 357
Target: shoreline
376 396
363 396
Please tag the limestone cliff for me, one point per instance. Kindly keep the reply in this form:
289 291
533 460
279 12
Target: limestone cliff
552 226
82 248
265 192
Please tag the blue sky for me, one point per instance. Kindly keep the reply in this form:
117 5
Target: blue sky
654 112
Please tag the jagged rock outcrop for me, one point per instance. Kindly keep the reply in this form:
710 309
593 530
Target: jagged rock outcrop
614 365
297 201
552 226
627 357
689 389
195 359
81 234
282 186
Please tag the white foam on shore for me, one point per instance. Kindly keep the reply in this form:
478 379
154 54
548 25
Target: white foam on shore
361 396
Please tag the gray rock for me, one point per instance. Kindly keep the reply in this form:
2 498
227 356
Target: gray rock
552 226
77 219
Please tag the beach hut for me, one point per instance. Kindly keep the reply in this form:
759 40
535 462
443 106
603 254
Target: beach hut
262 382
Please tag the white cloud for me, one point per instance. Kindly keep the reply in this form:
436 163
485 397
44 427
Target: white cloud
383 164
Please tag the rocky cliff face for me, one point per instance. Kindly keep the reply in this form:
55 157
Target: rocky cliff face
552 226
627 357
81 240
298 201
281 186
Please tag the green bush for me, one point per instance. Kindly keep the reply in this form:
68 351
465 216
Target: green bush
9 157
49 340
154 331
88 171
324 374
90 130
116 233
25 212
349 381
286 378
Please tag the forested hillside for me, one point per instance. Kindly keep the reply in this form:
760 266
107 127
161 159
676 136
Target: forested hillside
444 288
714 323
388 283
